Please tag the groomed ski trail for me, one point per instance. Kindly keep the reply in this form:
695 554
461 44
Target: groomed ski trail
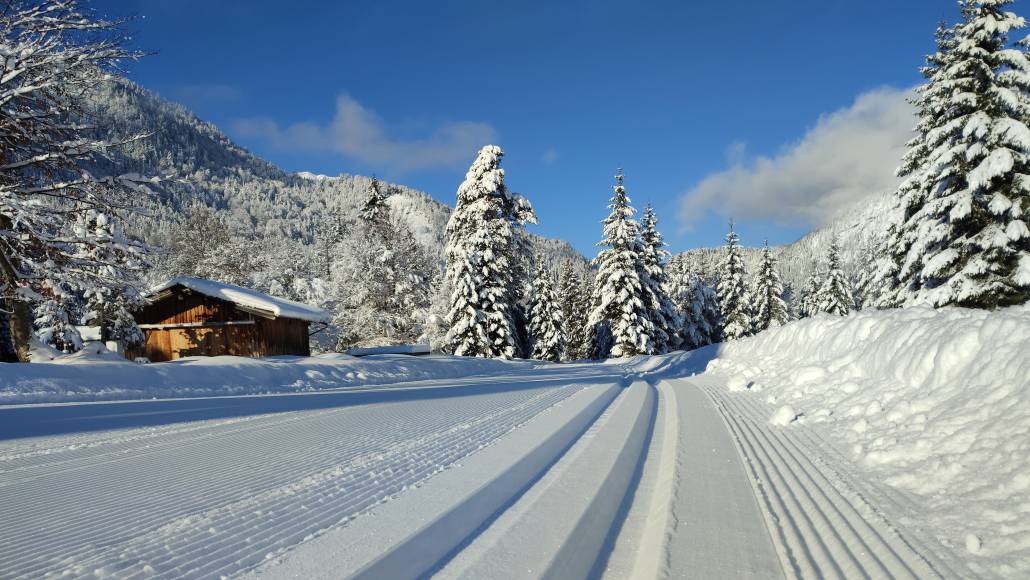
218 497
581 471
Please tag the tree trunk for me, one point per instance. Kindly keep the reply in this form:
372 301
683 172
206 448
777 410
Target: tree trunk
15 328
8 353
16 320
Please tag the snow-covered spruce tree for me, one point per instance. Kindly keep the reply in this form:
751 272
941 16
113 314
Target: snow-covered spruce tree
881 277
546 321
486 256
661 310
700 308
575 306
581 346
808 299
968 243
734 298
55 57
771 310
53 323
375 213
619 321
834 295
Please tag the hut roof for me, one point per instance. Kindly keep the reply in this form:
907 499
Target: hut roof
246 297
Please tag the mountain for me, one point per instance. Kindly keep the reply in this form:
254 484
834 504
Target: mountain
202 166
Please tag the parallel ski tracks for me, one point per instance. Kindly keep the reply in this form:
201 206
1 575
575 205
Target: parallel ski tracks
819 532
301 472
220 497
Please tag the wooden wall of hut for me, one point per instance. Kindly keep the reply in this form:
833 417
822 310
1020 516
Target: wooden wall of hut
221 329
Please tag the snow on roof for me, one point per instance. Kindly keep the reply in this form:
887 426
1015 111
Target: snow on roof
279 307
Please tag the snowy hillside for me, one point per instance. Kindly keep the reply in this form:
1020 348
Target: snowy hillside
204 166
933 404
856 229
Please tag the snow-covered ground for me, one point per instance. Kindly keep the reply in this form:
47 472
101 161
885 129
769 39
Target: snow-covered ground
89 375
931 406
879 445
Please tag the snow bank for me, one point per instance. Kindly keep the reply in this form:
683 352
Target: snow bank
935 403
94 374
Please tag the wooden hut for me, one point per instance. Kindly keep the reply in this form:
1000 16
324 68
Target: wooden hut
194 317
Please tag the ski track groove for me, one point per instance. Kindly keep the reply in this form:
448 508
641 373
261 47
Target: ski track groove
173 533
248 500
880 545
824 534
807 439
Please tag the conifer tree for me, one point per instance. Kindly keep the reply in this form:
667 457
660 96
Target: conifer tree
574 308
619 320
376 210
771 309
547 322
662 312
883 274
53 322
808 301
834 296
581 344
734 298
485 258
965 238
699 305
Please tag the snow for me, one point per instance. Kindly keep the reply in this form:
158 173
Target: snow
94 374
409 349
935 404
315 176
784 416
279 307
909 461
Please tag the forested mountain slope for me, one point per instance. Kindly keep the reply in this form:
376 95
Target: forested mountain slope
202 166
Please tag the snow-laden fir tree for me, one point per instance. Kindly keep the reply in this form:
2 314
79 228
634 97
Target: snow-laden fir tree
56 55
808 299
834 295
968 242
575 307
54 323
375 213
546 320
732 291
881 277
581 346
662 312
700 308
619 321
486 261
771 310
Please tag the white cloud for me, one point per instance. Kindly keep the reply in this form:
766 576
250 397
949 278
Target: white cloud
847 156
361 134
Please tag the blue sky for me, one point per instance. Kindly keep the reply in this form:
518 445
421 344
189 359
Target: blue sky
774 113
